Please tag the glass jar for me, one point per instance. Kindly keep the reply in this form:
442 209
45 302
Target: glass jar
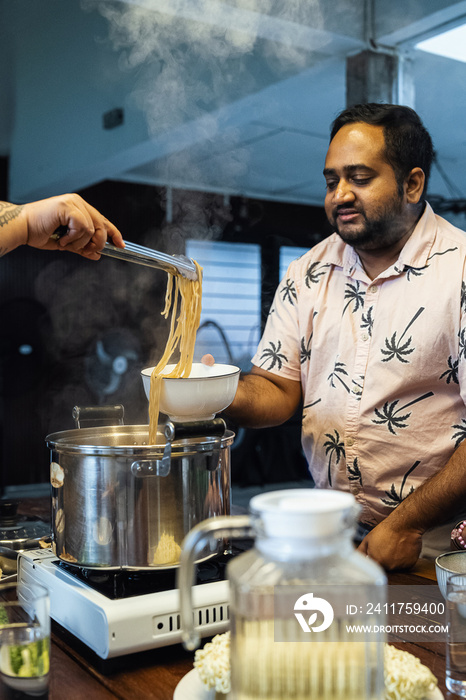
295 599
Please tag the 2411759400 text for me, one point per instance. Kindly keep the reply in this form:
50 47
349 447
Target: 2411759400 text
397 608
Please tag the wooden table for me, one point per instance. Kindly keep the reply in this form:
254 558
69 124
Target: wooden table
432 654
78 674
150 675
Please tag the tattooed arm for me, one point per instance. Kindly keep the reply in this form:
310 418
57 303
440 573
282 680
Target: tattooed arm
9 229
32 224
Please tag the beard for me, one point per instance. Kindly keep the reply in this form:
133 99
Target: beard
381 229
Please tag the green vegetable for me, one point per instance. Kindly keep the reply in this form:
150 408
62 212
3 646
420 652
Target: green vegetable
30 659
35 652
44 663
3 616
26 660
16 658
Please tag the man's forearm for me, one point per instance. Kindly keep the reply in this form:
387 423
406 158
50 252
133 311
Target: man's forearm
438 499
13 230
263 400
396 542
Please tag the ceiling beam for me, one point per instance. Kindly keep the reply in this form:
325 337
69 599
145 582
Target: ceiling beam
425 27
249 22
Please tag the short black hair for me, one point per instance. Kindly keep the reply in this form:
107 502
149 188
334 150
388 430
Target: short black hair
408 144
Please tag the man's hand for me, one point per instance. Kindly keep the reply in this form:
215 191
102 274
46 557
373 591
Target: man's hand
392 547
87 229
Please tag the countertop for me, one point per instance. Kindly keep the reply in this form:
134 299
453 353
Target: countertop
153 675
77 674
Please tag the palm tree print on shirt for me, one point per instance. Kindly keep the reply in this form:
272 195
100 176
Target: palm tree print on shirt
442 252
389 413
305 353
451 374
462 344
461 434
314 273
355 296
338 369
394 499
310 405
367 321
396 348
288 292
354 473
358 386
414 271
334 448
418 271
273 355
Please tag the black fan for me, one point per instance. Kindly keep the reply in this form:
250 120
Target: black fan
112 361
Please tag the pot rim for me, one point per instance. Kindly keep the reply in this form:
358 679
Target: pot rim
76 441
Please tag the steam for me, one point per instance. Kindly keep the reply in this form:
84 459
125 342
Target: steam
193 57
190 62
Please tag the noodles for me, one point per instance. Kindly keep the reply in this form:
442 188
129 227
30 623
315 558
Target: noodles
185 295
168 551
213 663
406 678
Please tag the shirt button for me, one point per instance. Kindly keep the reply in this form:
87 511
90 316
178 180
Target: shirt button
373 289
364 336
354 488
350 441
357 390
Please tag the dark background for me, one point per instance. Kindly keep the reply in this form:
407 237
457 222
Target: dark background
75 316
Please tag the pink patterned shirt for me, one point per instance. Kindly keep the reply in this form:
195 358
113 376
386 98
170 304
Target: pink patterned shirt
382 362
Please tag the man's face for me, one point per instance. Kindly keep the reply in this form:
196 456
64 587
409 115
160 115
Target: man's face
363 201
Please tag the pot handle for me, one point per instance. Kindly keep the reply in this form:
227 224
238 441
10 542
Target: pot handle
101 415
215 428
224 526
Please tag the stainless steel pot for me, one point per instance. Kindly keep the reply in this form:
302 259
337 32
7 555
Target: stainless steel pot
118 502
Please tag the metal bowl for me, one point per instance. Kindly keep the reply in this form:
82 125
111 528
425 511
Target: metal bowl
206 392
448 564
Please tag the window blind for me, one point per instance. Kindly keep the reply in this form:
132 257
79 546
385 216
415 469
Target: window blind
230 319
289 253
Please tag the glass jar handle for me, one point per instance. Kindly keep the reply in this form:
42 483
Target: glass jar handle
235 527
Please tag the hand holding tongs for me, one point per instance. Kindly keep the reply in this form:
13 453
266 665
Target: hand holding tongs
175 264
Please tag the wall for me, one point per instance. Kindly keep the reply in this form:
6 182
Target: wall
66 77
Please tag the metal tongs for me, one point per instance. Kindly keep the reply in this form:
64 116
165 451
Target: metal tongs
175 264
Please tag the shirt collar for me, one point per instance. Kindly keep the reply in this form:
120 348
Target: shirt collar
417 248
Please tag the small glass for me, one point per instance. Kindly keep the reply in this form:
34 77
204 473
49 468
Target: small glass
456 635
24 641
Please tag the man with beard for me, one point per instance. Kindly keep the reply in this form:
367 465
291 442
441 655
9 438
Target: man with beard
368 331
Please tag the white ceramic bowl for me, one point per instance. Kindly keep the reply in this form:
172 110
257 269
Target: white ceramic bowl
200 396
448 564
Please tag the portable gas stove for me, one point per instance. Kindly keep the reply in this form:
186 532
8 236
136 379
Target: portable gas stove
121 612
